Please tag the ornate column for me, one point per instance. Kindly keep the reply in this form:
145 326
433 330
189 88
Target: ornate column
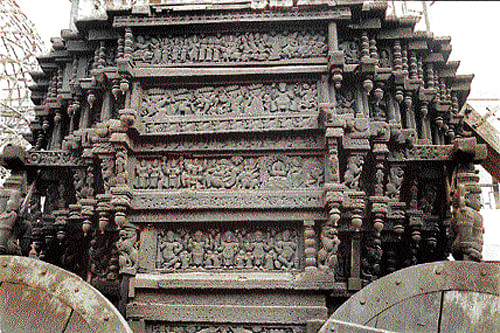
467 222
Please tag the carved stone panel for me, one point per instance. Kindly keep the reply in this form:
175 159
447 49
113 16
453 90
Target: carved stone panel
202 125
168 328
270 172
307 198
230 48
297 141
233 100
256 248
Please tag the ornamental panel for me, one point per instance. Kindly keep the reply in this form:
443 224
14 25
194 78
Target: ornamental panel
303 44
256 248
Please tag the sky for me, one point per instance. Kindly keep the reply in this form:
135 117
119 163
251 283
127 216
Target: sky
472 25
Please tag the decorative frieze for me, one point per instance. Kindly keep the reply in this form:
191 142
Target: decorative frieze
266 248
262 16
422 153
168 328
225 200
271 172
234 100
207 125
229 48
288 142
53 158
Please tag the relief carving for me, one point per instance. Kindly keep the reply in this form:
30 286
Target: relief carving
265 172
12 225
127 246
353 171
255 99
393 188
225 125
426 203
329 245
165 328
297 141
241 249
230 48
351 51
233 200
346 99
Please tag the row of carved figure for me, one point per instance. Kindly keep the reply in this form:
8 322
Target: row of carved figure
165 328
235 100
267 249
250 46
243 47
237 172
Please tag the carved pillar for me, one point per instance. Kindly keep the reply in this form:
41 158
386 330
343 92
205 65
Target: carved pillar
355 204
372 257
309 245
335 56
415 222
467 222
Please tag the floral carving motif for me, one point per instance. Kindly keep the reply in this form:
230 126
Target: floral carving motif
228 48
215 249
269 172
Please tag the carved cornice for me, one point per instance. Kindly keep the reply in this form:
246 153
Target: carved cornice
263 16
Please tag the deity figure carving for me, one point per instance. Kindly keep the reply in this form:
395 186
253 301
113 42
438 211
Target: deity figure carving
237 172
170 250
426 203
229 249
13 226
353 171
127 246
467 222
351 51
286 249
197 246
236 100
216 249
345 99
329 244
393 188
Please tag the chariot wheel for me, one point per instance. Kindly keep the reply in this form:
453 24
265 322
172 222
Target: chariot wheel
458 296
40 297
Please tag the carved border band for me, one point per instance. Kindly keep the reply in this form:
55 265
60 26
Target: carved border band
153 21
230 125
53 158
228 200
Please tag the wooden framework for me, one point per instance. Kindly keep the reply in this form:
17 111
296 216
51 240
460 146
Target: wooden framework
244 168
